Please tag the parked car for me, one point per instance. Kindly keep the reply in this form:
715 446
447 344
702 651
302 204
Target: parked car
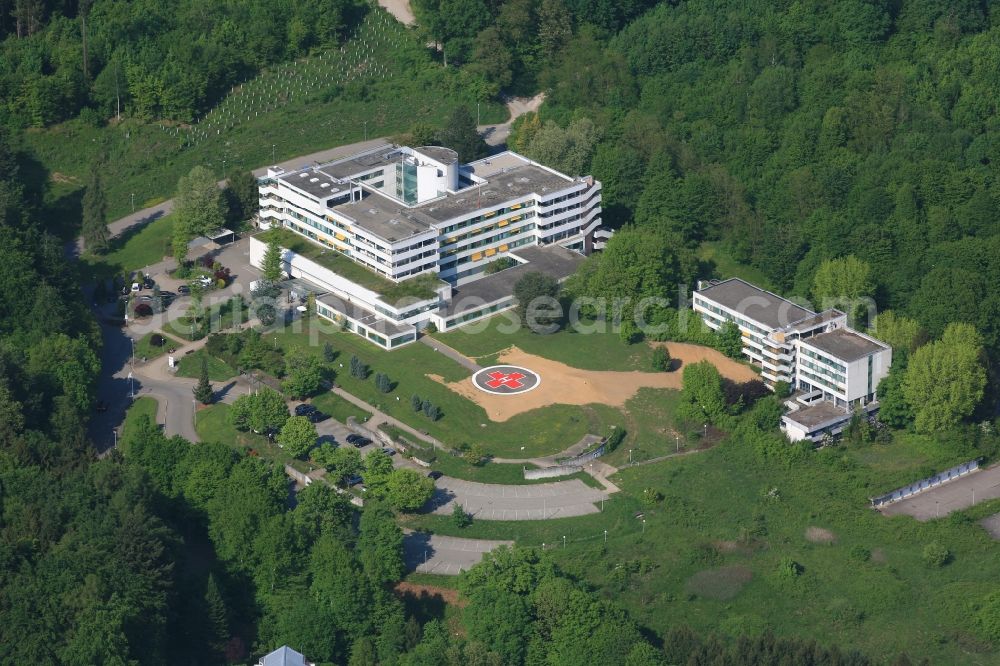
316 416
389 451
205 281
148 282
136 287
183 290
304 409
146 298
353 480
358 441
434 475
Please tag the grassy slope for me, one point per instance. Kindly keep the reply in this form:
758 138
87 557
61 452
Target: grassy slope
218 370
541 432
141 407
726 267
890 603
598 350
144 349
148 159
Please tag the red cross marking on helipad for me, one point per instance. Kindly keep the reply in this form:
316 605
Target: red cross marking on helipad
512 380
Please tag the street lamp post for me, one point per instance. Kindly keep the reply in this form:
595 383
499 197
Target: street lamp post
630 456
223 169
273 146
133 202
643 525
705 430
115 433
605 536
564 540
366 130
677 439
132 361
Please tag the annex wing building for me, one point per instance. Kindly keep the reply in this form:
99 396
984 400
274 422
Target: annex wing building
394 238
833 370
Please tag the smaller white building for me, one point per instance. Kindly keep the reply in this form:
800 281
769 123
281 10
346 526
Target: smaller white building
832 369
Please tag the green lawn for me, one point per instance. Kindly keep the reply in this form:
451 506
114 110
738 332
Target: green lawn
141 407
715 544
143 348
421 286
649 424
725 266
588 350
131 251
212 426
541 432
338 408
218 370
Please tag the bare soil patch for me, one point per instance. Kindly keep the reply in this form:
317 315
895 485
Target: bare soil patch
820 535
721 584
564 384
447 595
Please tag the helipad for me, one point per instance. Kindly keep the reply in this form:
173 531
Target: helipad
506 380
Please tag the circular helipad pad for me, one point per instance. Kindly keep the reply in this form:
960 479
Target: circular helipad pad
506 379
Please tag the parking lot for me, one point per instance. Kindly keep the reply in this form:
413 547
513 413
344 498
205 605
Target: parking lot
952 496
490 501
443 555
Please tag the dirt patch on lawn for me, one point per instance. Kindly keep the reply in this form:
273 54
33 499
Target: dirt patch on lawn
820 535
447 595
564 384
57 177
721 584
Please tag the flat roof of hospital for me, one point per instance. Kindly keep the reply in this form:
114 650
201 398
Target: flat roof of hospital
508 177
755 303
844 344
552 260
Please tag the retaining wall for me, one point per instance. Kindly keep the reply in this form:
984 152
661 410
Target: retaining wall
926 484
549 472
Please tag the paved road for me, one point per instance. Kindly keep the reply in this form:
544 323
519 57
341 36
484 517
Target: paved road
400 9
451 353
443 555
496 135
952 496
544 501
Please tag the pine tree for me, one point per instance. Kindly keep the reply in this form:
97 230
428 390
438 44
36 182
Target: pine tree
203 391
271 263
329 353
217 624
95 214
416 402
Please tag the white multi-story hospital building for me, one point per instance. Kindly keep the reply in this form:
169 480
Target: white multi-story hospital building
395 238
834 369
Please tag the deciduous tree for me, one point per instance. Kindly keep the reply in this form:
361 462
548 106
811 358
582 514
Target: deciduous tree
945 379
297 436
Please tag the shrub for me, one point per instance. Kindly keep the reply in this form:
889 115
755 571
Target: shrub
935 555
782 389
661 360
651 497
143 310
459 517
157 340
614 439
789 568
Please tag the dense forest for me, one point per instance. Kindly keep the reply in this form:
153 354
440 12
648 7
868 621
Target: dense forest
151 59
